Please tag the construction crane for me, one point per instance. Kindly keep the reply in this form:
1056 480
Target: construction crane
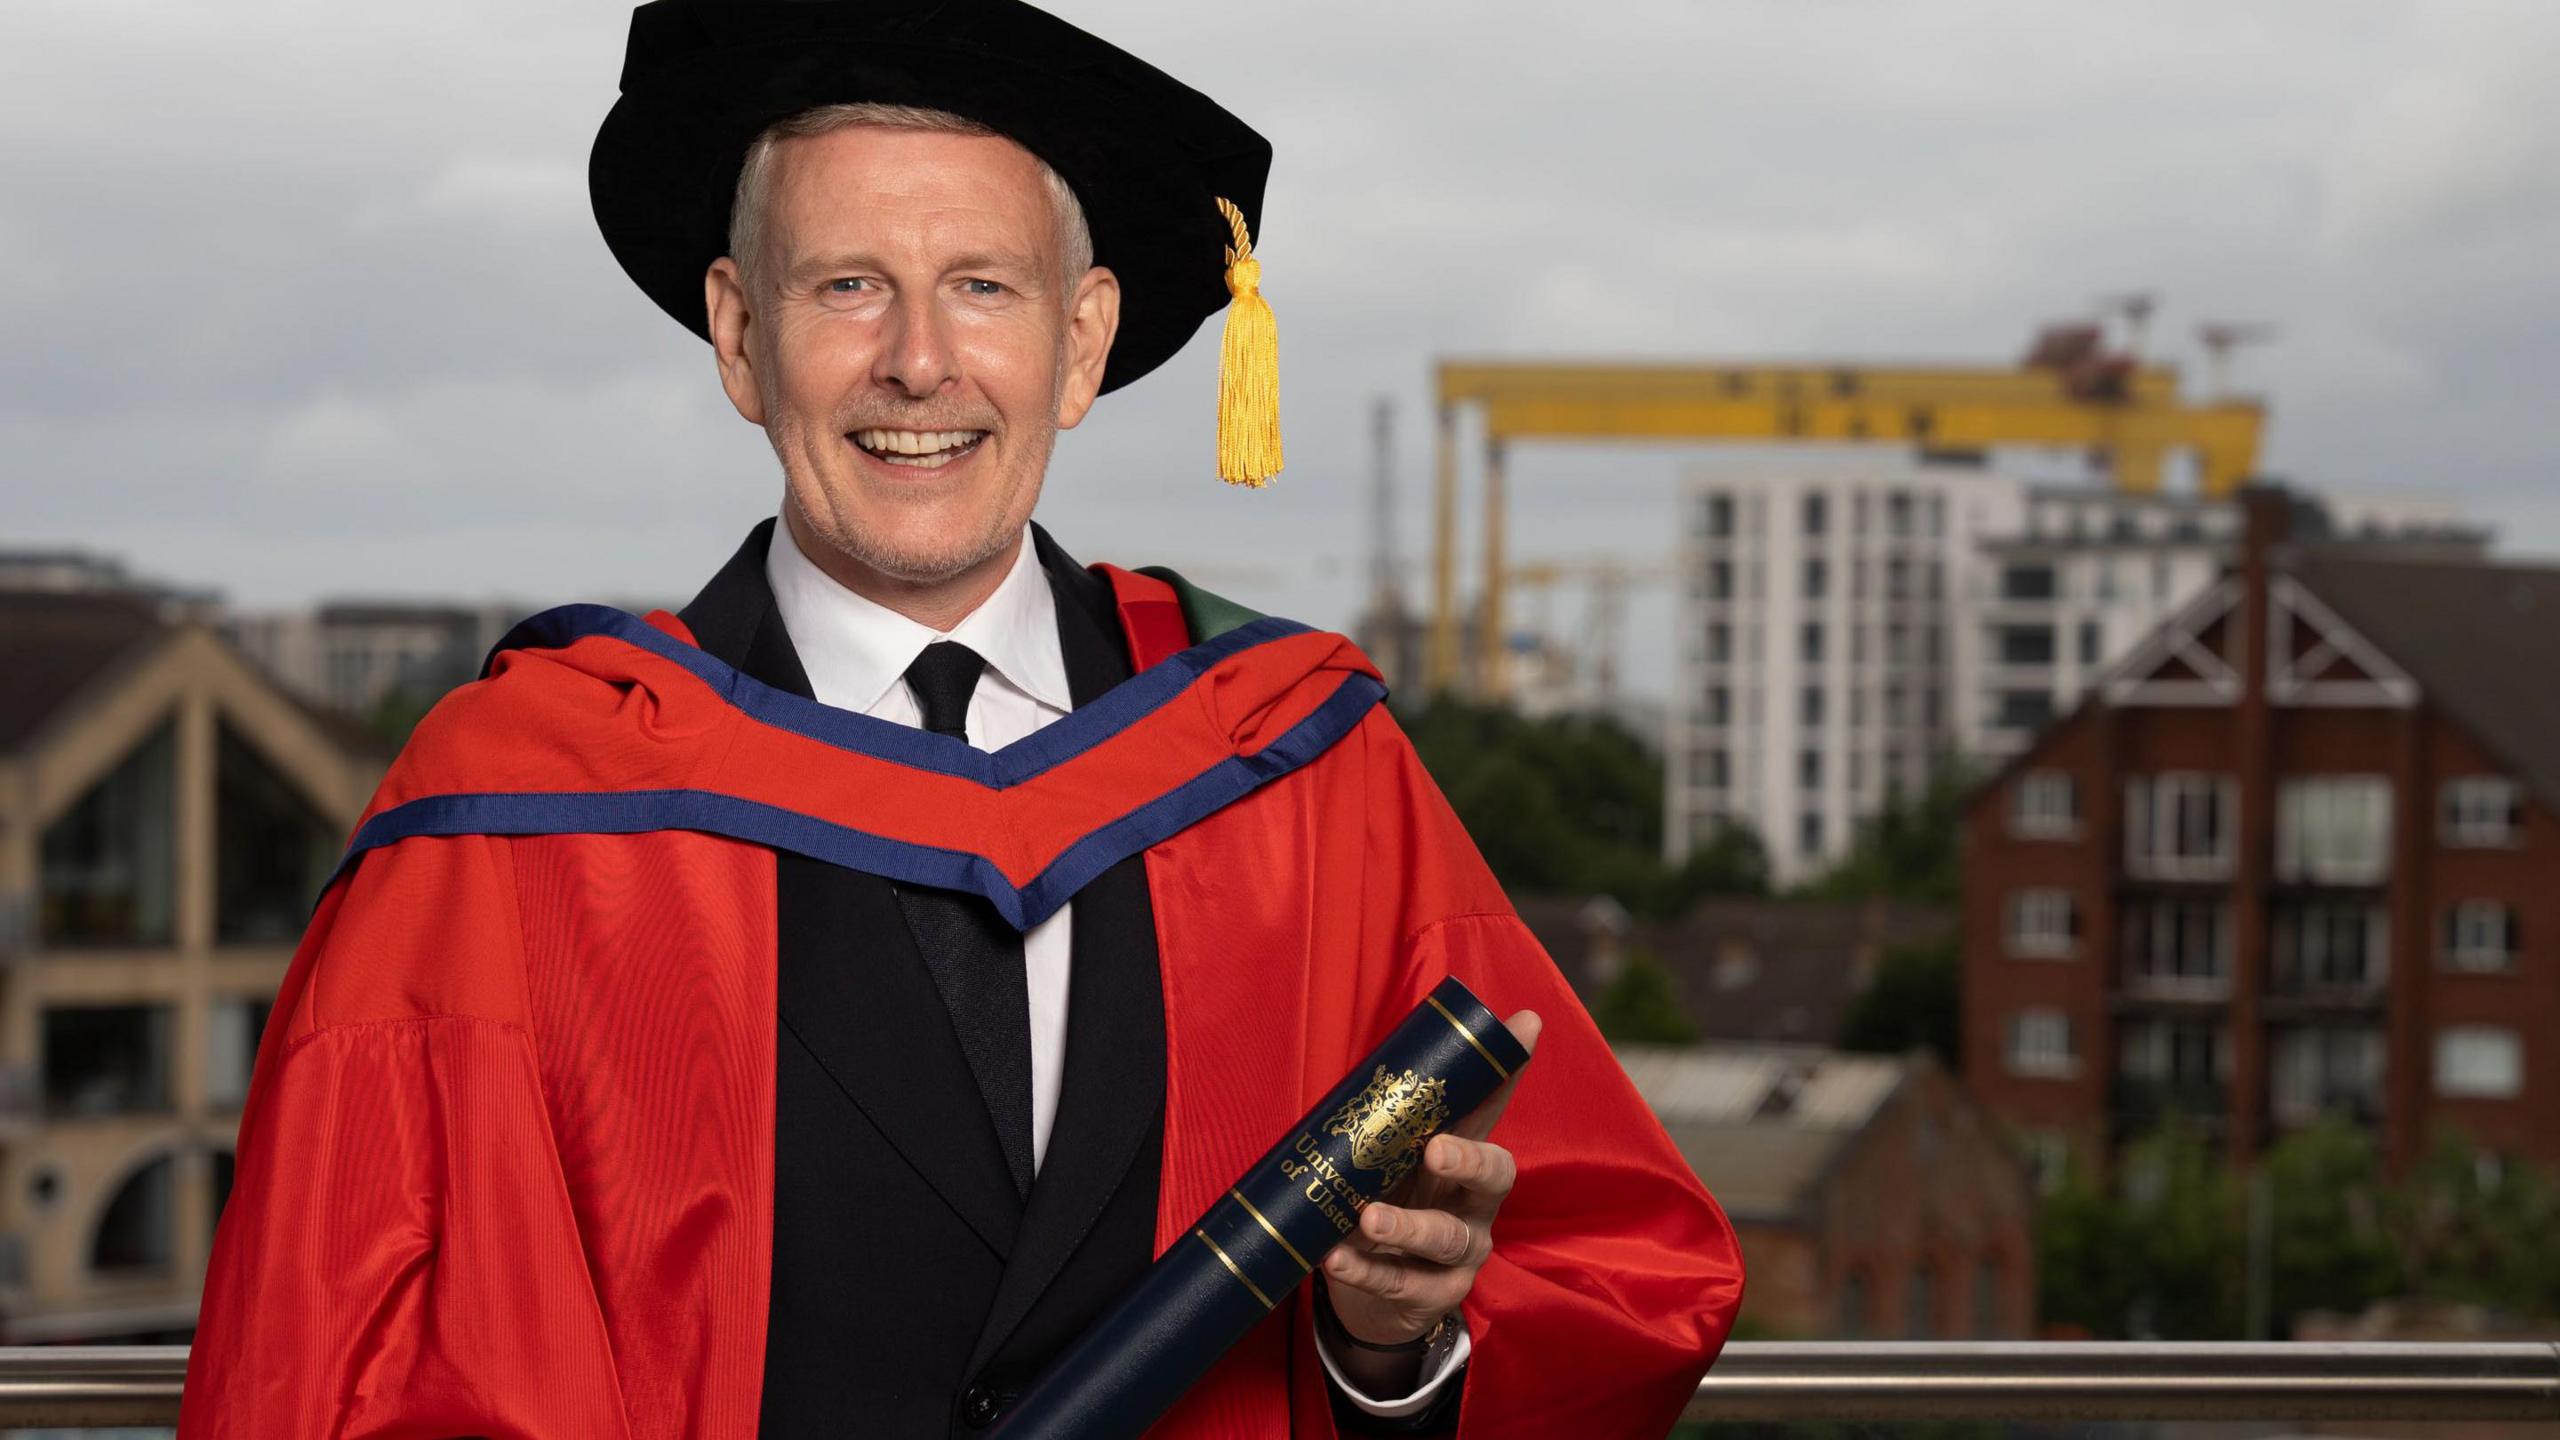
2070 392
1596 651
2220 338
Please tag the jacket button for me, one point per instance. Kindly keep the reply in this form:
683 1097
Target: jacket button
979 1407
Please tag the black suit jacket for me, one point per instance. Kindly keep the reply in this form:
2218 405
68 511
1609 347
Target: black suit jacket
914 1291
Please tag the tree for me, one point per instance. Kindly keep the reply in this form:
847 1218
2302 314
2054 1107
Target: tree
2473 1227
398 712
2329 1246
1914 1003
1642 1005
1571 804
1912 849
2159 1258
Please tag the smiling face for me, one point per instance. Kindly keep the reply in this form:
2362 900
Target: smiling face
909 341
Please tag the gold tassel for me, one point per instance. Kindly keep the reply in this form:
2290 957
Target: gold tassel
1248 369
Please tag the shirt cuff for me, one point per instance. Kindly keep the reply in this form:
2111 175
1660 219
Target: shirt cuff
1452 1360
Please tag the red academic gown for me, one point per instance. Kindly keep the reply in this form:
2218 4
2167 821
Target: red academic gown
506 1163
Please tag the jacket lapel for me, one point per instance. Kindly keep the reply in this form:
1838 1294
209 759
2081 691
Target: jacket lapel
854 991
1111 1095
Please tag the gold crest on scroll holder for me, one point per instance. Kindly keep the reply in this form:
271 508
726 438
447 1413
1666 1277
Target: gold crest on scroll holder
1388 1121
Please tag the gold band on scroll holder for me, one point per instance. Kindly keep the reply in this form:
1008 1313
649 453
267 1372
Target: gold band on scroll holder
1461 1027
1271 1230
1241 1277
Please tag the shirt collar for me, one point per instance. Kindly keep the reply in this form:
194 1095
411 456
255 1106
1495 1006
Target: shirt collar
854 649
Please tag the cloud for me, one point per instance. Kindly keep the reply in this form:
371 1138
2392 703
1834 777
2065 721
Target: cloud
305 298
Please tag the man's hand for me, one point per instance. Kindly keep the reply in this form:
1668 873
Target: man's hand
1412 1262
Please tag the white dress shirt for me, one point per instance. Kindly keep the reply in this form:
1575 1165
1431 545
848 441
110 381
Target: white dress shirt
856 653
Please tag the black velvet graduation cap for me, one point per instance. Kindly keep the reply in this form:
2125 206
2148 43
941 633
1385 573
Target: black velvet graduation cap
1148 157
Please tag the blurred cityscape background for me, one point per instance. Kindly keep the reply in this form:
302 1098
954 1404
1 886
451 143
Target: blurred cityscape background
1970 566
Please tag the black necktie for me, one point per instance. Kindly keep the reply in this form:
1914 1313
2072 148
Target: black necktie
975 957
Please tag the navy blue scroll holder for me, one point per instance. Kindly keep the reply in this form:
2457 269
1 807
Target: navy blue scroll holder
1266 1235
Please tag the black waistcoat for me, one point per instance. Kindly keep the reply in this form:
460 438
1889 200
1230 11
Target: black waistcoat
913 1291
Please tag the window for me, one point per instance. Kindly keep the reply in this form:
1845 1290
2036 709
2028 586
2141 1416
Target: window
237 1023
2479 1062
2480 935
2189 1057
2039 1044
2026 644
1988 1304
1719 516
1920 1303
272 849
2089 646
1809 643
1897 578
1809 707
2179 949
1897 513
1719 709
1719 579
2327 1070
2023 710
1809 833
106 1060
1817 514
2043 924
1857 707
1719 643
1853 1304
2027 582
137 1231
1809 770
1719 768
2331 949
2043 805
2334 829
109 868
1817 579
2482 810
2178 825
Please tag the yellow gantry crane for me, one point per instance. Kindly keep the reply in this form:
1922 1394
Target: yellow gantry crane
2070 392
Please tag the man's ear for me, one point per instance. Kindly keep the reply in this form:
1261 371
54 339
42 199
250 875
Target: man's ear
1093 318
724 297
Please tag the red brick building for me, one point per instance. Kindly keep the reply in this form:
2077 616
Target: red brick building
2298 855
1872 1198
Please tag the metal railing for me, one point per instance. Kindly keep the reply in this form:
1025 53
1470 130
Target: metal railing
1767 1381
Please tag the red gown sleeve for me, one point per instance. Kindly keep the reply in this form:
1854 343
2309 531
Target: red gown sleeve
1615 1277
399 1257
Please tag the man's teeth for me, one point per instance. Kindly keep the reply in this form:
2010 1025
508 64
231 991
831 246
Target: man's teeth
929 445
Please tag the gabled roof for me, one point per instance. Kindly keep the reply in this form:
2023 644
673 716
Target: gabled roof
54 646
2483 642
1762 1124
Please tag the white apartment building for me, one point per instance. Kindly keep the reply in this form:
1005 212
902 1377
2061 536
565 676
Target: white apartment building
1819 637
1845 628
2090 571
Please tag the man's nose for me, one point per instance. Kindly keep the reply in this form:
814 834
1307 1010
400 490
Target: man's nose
917 356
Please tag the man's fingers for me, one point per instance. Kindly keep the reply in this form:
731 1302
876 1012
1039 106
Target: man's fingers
1524 1027
1411 1285
1484 1170
1433 1235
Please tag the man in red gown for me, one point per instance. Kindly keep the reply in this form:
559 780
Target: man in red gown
806 1013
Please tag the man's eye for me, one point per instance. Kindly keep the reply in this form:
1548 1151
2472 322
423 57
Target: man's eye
983 287
845 285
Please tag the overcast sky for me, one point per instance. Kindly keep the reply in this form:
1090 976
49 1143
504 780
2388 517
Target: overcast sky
305 299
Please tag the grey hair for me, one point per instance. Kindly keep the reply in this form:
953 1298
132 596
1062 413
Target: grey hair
746 210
